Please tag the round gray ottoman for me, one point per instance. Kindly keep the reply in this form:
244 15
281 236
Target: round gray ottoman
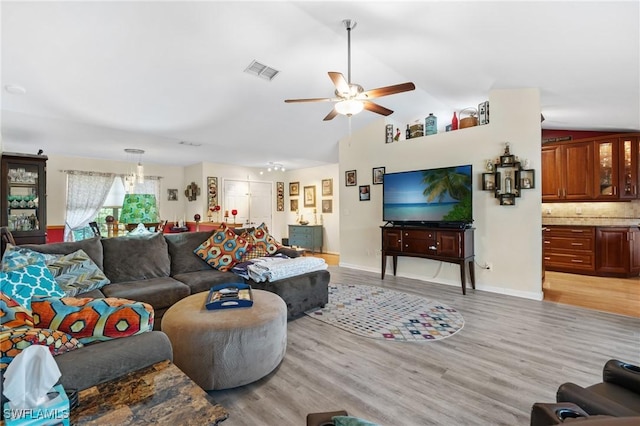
221 349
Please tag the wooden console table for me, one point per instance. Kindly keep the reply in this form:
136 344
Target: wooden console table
446 245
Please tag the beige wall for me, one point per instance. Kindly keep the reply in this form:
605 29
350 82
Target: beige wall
508 237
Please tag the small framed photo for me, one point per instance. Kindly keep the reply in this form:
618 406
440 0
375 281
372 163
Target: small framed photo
294 188
327 187
378 175
293 205
364 193
507 160
310 196
350 178
172 194
327 206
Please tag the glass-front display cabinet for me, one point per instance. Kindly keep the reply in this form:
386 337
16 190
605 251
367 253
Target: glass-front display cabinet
23 200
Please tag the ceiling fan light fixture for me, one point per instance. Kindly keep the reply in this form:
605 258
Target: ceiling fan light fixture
349 107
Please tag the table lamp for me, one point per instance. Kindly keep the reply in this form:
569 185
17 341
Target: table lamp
139 208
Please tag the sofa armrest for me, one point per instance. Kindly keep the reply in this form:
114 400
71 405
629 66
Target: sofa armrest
544 414
622 374
591 402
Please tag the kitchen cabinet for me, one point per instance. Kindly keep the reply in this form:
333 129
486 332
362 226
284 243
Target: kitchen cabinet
567 171
569 249
618 251
629 167
446 245
606 166
23 203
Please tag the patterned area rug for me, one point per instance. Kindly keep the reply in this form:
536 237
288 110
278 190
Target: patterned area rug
380 313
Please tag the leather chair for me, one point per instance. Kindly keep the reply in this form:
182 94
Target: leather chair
617 395
323 419
546 414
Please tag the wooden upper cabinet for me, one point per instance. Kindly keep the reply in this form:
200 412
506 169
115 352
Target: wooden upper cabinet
629 167
567 171
606 166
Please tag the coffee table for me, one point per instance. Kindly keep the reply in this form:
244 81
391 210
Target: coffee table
159 394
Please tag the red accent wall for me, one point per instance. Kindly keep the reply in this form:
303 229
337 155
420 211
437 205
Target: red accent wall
55 234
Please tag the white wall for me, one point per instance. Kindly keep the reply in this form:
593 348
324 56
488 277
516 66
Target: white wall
509 237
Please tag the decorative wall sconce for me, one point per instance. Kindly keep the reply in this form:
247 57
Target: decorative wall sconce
192 191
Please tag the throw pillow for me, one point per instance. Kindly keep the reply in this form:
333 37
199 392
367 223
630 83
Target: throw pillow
265 240
15 340
18 257
223 249
21 284
76 273
257 250
91 320
13 314
351 421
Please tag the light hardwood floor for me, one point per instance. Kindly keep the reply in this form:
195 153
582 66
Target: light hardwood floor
511 353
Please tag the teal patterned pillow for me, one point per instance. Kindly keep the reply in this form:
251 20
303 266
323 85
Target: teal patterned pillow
76 273
19 257
21 284
351 421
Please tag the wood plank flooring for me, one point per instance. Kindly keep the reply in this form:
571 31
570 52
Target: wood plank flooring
511 353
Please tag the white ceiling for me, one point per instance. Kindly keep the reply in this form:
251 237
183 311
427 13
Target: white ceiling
104 76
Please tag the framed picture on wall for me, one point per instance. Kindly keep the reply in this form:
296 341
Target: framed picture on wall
293 205
350 178
364 193
172 194
310 196
327 187
294 188
327 206
378 175
212 192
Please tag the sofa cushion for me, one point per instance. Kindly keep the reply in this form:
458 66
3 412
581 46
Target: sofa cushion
21 284
264 240
200 281
13 314
158 292
93 320
136 258
91 246
15 257
223 249
15 340
181 247
76 273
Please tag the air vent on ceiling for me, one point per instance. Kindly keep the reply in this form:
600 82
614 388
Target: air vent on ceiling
189 143
261 70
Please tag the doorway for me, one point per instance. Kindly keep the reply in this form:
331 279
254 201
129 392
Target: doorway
252 200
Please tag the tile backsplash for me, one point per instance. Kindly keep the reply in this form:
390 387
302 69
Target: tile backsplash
600 214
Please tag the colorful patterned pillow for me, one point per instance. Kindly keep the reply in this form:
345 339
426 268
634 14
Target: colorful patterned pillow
223 249
265 240
13 314
256 250
76 273
18 257
21 284
92 320
15 340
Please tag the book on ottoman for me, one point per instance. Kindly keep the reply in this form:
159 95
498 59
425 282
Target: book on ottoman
226 296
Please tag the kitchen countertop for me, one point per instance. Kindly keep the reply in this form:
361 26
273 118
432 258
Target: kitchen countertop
590 221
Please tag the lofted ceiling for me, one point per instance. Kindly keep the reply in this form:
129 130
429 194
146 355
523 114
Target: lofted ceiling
104 76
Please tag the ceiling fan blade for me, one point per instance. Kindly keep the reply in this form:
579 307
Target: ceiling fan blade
338 80
379 109
387 90
310 100
330 116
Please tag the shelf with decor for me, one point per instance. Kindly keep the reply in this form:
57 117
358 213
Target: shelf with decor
506 178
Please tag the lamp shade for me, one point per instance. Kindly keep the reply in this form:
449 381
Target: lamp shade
139 208
349 107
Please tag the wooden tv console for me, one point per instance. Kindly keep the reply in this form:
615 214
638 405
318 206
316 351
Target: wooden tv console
443 244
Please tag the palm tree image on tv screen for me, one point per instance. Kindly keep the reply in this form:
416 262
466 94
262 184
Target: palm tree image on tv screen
428 196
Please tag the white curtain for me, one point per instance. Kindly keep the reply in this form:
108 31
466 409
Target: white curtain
86 193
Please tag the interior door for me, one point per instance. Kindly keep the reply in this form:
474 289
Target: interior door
252 200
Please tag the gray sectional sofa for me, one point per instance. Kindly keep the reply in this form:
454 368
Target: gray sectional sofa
159 270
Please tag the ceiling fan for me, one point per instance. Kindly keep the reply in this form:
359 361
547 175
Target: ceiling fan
352 98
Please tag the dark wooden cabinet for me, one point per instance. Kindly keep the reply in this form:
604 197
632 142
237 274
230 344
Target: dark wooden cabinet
629 167
567 171
23 203
618 251
590 250
569 249
446 245
606 162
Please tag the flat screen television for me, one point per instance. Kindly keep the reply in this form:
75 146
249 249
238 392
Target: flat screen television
440 197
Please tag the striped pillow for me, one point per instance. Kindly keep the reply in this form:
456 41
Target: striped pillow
76 273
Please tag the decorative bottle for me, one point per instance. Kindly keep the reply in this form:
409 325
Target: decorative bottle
454 121
507 183
408 133
431 125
